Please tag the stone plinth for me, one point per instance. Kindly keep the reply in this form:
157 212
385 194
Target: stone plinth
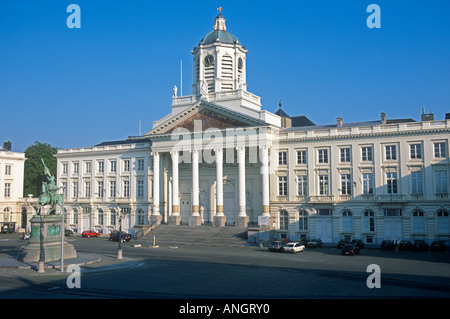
195 220
51 226
241 221
175 220
219 221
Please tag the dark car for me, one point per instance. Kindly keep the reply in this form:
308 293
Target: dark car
350 249
420 245
342 242
359 243
387 245
68 232
404 245
276 246
439 245
315 243
115 236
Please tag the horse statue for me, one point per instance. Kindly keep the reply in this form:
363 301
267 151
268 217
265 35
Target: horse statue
48 194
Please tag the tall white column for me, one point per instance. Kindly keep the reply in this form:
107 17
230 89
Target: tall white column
195 218
156 182
264 152
175 218
219 181
155 217
219 219
242 219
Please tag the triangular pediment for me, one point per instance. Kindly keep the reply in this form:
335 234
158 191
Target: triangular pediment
207 116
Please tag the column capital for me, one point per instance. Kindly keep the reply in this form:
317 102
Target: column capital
155 155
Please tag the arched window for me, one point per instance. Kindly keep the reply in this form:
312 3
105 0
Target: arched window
418 222
302 220
369 221
443 222
284 220
75 216
347 221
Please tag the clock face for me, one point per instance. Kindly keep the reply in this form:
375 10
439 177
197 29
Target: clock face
209 60
240 63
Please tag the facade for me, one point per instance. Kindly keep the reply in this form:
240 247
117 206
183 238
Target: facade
12 204
218 158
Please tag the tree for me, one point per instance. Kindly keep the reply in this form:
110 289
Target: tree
34 170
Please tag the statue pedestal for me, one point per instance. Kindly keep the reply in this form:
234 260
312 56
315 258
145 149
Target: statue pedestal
51 230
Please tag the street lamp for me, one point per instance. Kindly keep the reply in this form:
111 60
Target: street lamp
119 249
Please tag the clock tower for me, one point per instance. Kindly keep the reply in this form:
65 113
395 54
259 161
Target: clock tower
219 61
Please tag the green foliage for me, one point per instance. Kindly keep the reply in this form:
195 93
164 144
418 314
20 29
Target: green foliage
34 170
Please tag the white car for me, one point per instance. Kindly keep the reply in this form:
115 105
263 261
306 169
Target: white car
293 248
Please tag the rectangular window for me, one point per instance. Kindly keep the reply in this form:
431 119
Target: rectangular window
415 151
282 158
302 186
301 157
440 150
75 190
140 188
126 165
366 153
87 189
416 183
100 189
140 165
323 184
440 180
391 179
8 170
345 154
346 184
100 166
7 189
391 153
322 156
64 186
126 188
367 181
88 167
112 189
282 185
64 168
113 166
75 168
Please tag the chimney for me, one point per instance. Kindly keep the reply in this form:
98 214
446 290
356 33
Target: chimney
383 118
339 121
7 145
447 116
427 117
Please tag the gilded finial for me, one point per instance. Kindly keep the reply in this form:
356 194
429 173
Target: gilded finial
220 10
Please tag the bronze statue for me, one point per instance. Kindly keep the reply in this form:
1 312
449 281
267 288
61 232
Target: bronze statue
49 195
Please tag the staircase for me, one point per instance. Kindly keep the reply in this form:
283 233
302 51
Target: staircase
195 235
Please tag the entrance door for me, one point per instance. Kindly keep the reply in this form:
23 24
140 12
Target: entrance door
324 229
393 229
185 208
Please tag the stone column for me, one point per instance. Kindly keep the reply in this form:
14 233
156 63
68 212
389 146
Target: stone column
155 218
219 218
195 219
265 180
242 218
175 218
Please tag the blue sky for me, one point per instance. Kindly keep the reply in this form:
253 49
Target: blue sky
79 87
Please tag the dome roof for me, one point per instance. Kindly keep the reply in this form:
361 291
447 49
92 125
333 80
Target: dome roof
219 33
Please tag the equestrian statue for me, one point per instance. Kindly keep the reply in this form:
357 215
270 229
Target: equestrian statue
49 194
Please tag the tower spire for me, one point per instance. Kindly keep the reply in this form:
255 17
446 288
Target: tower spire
219 21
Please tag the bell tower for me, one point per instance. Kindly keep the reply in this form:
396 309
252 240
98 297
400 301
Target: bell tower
219 61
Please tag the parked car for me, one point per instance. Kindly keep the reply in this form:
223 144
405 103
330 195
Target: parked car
404 245
315 243
293 248
276 246
115 236
387 245
440 245
420 245
68 232
359 243
342 242
350 249
90 233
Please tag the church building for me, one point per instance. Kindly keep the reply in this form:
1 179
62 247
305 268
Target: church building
219 158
